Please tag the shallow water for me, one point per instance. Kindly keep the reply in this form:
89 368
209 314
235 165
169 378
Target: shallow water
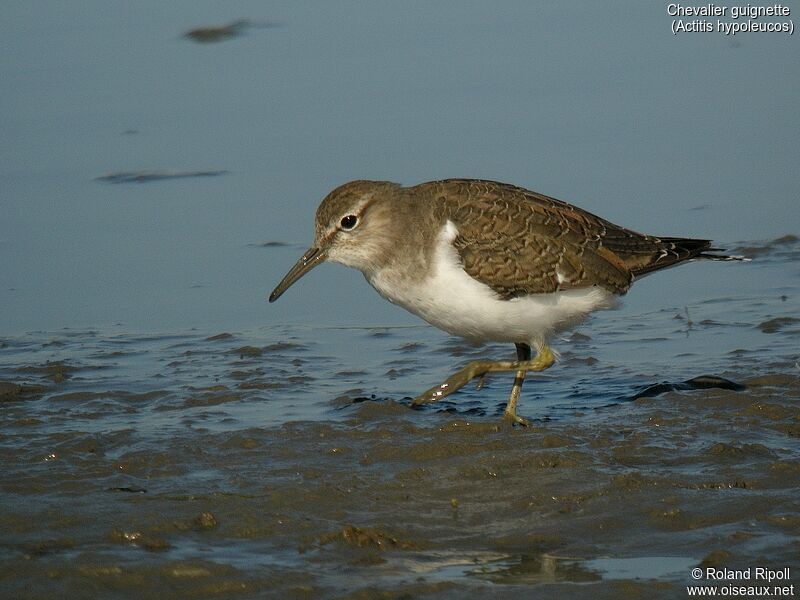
286 461
166 433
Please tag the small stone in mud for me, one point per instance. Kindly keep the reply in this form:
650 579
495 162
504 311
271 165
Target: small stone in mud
99 570
119 536
49 547
238 441
206 520
239 375
213 388
553 440
152 544
578 337
56 371
717 559
773 379
14 391
368 560
219 336
367 537
189 571
284 346
248 351
730 451
776 324
774 412
138 538
9 390
794 429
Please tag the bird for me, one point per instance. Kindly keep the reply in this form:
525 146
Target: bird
488 262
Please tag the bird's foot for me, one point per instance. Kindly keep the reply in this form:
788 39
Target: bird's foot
481 382
515 419
479 368
455 382
432 395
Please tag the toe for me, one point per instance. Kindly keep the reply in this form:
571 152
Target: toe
515 419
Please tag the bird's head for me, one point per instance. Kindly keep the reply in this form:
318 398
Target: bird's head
351 228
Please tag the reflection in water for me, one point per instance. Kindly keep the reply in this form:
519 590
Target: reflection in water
147 176
548 568
536 569
206 35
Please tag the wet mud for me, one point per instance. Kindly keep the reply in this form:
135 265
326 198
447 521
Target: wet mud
403 502
287 462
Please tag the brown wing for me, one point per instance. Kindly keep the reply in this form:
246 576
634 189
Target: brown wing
519 242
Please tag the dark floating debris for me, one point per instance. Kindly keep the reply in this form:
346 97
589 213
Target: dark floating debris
129 490
704 382
205 520
366 537
220 336
251 351
13 391
209 35
56 371
786 242
148 176
776 324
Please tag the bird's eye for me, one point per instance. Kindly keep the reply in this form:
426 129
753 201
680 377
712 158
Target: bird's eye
349 222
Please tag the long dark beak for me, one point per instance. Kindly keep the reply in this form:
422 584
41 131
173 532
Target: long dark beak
308 261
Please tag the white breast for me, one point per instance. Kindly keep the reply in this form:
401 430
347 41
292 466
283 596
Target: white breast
450 299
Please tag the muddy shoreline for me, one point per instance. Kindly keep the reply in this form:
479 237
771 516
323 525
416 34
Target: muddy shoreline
394 503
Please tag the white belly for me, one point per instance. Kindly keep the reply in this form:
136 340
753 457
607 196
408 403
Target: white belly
453 301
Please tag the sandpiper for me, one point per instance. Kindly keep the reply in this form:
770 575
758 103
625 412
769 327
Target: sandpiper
486 261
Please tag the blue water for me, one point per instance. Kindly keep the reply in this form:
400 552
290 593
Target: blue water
599 105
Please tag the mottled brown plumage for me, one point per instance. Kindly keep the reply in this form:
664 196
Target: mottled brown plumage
518 242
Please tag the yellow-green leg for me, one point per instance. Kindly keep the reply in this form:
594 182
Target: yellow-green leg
544 359
523 355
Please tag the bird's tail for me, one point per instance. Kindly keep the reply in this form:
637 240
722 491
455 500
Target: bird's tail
671 251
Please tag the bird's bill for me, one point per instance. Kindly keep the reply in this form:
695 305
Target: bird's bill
308 261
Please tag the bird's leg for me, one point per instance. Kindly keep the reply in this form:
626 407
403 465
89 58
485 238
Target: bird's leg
543 360
523 355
